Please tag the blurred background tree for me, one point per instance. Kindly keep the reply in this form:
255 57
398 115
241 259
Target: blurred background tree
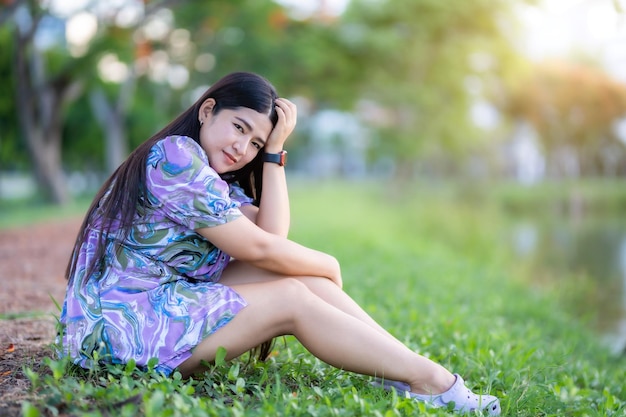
574 108
419 59
54 62
86 85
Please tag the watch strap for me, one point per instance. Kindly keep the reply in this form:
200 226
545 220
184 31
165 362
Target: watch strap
276 158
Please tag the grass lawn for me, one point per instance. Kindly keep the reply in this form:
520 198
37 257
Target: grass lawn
428 267
23 212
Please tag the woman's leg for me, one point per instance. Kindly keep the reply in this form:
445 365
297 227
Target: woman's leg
287 306
238 273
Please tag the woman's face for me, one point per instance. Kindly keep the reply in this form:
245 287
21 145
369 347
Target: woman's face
232 137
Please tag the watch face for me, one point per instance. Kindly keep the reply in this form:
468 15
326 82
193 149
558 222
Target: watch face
283 158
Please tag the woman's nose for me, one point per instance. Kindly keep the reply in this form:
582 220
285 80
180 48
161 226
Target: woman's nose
240 146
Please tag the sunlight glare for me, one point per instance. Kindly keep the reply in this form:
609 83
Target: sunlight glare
79 31
111 69
177 76
558 28
65 8
130 15
158 26
204 62
159 66
303 9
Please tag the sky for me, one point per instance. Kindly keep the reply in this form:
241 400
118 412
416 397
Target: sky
560 27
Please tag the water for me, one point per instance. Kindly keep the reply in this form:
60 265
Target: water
586 256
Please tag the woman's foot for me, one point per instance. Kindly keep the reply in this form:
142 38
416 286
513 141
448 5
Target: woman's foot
464 400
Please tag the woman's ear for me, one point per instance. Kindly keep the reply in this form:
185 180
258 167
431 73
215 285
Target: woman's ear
206 110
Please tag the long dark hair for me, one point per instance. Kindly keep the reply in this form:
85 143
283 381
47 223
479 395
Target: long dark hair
127 184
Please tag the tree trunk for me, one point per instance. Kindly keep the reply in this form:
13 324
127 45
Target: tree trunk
115 148
110 116
46 156
39 102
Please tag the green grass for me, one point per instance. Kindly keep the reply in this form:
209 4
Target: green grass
18 213
432 269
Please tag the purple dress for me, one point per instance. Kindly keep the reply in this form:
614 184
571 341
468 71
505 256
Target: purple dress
157 293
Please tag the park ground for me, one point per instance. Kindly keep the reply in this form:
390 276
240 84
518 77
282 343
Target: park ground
32 265
433 260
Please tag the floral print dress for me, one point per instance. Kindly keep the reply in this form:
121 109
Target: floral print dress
156 293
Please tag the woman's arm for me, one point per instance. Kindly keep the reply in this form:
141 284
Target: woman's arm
273 214
247 242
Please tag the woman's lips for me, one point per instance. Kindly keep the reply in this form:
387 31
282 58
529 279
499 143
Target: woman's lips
230 158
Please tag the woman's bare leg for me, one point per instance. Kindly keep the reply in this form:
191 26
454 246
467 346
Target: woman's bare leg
238 273
287 306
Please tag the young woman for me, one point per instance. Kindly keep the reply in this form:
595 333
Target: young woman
185 250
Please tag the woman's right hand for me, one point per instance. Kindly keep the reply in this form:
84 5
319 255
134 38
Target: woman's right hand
336 275
287 118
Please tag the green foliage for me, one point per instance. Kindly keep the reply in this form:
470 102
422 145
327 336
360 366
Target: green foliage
245 35
411 57
572 106
12 151
417 57
430 268
415 60
83 144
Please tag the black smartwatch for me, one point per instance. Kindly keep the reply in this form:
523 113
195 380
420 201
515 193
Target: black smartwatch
279 158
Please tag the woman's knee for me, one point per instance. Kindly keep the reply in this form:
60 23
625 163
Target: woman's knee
321 286
296 296
293 289
283 302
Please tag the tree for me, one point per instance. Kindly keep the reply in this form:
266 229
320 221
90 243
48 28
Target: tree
412 59
573 108
40 96
12 154
47 80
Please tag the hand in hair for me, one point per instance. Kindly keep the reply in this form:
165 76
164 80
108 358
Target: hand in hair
287 117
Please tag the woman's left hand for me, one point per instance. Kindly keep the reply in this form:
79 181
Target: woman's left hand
287 116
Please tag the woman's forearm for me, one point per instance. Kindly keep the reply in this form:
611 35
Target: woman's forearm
290 258
247 242
274 214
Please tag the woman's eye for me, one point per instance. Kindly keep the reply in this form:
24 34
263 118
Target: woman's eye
256 145
238 127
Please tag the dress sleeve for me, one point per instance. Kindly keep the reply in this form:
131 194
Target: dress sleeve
185 188
237 194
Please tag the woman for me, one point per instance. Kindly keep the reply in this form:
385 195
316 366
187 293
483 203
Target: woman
184 250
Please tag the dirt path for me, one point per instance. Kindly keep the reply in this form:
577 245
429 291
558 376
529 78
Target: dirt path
32 265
